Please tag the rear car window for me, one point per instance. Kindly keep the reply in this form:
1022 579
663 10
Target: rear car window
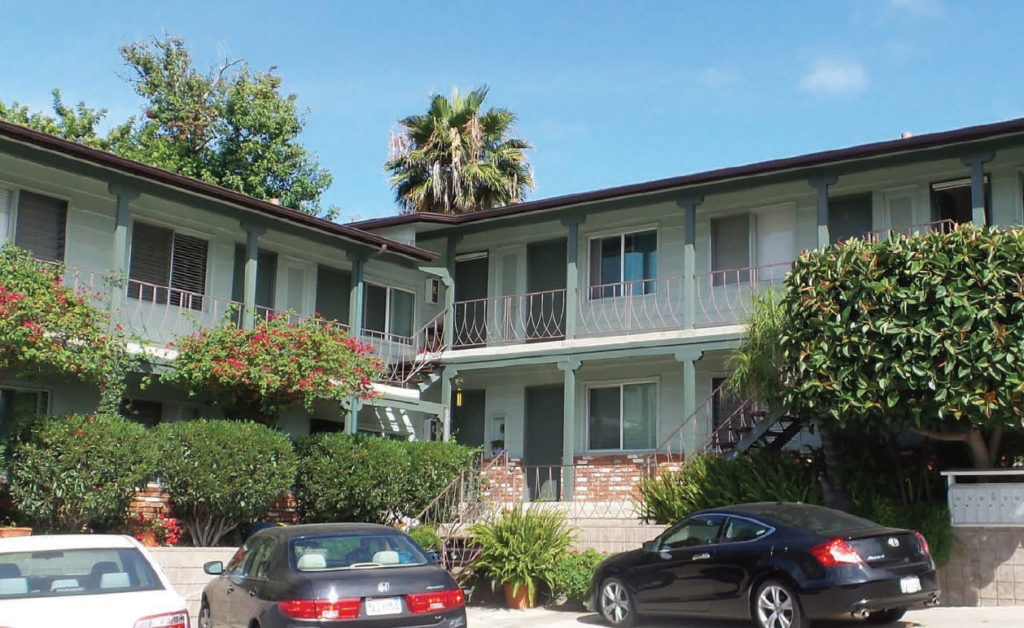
818 520
58 573
354 551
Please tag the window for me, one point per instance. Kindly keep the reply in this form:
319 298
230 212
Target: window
730 249
5 215
260 563
693 532
623 416
167 267
362 550
333 288
849 217
388 311
41 225
738 530
64 572
951 200
266 277
16 403
623 265
148 413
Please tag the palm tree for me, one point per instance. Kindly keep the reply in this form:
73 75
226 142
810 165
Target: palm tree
457 159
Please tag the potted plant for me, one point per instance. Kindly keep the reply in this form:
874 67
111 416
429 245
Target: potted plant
160 531
9 528
497 447
521 548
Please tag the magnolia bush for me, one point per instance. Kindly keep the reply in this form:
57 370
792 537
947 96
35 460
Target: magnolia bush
255 372
48 328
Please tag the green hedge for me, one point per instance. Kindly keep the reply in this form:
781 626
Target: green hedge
77 473
367 478
573 573
221 474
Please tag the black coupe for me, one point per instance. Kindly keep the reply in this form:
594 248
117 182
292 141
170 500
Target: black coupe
330 575
779 564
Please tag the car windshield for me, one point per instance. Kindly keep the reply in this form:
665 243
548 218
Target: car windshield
818 520
53 573
354 551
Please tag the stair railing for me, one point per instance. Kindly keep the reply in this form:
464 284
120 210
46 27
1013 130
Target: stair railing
742 418
674 445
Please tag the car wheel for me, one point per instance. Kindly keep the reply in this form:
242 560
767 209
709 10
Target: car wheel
776 605
887 616
615 603
205 619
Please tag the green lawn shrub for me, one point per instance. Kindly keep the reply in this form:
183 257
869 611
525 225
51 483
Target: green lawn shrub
222 474
426 537
573 574
79 473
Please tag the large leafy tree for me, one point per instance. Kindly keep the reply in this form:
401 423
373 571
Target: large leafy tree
457 158
922 333
230 126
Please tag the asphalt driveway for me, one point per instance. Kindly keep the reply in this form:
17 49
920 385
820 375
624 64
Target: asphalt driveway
952 617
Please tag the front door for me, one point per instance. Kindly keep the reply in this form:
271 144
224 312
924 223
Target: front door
545 285
679 578
542 451
468 417
471 300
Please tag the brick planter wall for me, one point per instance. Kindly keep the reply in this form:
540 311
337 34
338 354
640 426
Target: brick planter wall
615 478
504 483
154 501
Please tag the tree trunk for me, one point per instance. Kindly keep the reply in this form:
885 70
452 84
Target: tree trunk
983 453
835 495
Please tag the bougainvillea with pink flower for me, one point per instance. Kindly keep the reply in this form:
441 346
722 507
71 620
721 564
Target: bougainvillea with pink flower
255 372
47 327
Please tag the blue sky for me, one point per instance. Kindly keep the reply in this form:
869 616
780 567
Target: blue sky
608 92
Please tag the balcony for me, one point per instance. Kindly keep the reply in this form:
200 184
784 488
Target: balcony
157 315
937 226
625 308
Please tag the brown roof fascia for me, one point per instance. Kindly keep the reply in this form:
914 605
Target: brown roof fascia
109 160
809 160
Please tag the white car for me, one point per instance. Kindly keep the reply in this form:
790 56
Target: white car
85 580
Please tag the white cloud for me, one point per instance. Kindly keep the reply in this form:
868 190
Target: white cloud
717 78
833 76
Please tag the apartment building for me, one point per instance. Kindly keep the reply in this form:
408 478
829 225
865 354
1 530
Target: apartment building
586 335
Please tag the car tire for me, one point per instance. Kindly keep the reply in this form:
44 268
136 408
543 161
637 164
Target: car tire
205 618
887 616
616 603
776 605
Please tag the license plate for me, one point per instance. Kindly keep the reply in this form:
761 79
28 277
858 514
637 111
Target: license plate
384 606
910 584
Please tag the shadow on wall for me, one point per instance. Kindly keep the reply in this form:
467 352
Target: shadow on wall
986 567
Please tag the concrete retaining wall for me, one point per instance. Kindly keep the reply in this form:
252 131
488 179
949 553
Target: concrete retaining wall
986 568
184 567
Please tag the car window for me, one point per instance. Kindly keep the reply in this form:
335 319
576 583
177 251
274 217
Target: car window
737 530
260 563
816 520
56 573
236 566
693 532
354 550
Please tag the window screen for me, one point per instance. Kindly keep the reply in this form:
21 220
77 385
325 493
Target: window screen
41 225
623 417
375 308
623 264
401 313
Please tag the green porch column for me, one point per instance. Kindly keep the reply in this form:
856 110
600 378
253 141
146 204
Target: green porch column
572 282
121 254
568 368
252 249
977 165
689 206
821 183
448 332
447 375
357 295
688 358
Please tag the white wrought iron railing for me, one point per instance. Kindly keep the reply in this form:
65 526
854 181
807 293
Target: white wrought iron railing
404 357
724 296
632 307
509 319
936 226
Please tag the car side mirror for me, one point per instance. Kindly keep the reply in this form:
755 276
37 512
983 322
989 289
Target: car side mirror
434 556
651 546
213 568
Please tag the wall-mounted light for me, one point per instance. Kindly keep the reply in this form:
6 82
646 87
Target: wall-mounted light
458 398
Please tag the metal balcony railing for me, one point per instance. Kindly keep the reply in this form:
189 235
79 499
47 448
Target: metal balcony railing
936 226
724 296
510 319
631 307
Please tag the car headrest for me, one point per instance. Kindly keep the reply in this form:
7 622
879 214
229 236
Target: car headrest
9 570
388 557
312 561
65 584
104 566
116 580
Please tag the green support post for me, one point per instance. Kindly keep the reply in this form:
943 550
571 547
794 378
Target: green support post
252 250
355 319
689 360
120 260
821 184
447 375
568 368
689 206
977 164
572 282
448 331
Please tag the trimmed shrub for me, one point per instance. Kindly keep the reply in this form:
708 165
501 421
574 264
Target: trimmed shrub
344 477
710 482
222 474
573 574
426 537
522 547
78 473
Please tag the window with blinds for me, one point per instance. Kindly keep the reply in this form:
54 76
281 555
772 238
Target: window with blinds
167 267
5 215
42 222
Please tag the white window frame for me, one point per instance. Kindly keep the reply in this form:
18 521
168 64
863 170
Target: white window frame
170 263
621 235
619 384
752 214
388 334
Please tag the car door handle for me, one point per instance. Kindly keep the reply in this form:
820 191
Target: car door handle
231 589
703 556
252 594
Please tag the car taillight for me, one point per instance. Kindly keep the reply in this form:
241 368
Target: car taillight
924 543
836 552
177 619
435 601
320 609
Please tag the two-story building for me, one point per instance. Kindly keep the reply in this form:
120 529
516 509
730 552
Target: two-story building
588 334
